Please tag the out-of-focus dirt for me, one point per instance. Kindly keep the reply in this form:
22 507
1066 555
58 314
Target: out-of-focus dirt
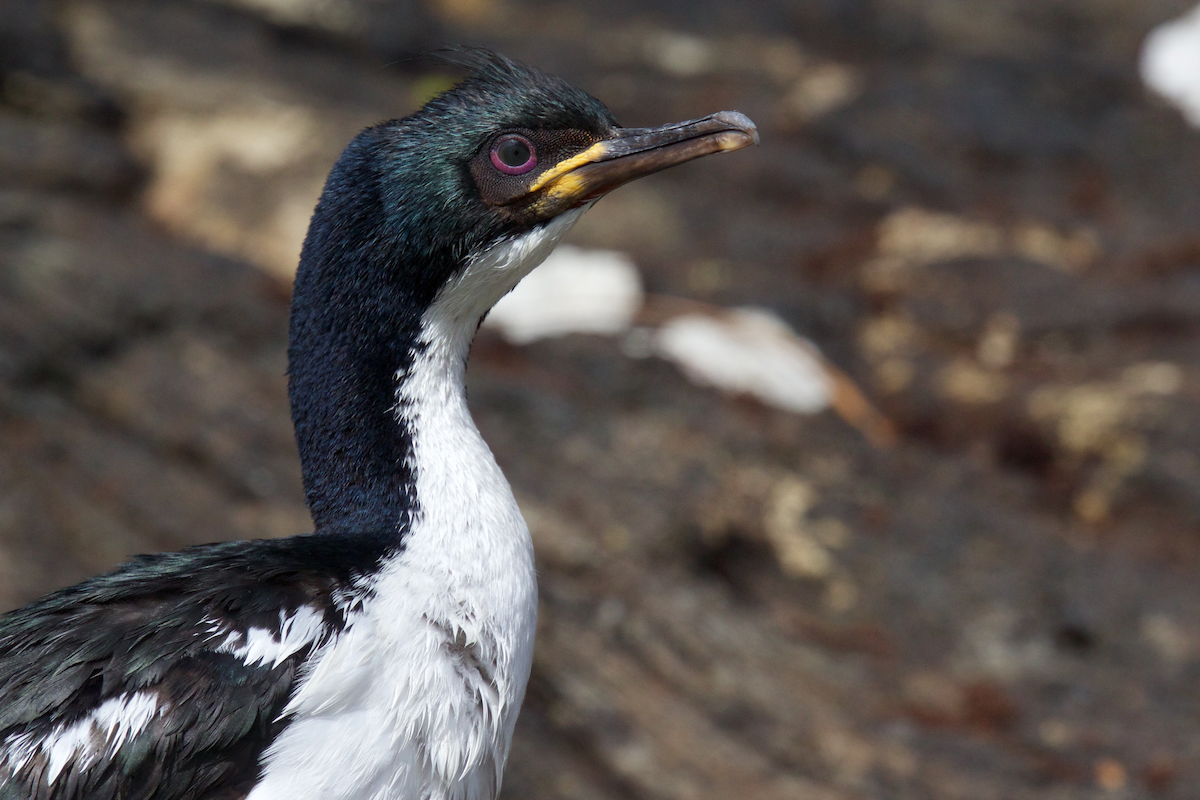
973 208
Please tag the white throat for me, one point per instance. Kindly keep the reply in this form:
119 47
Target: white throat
458 485
451 321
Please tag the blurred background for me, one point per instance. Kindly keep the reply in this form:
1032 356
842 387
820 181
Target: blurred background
975 577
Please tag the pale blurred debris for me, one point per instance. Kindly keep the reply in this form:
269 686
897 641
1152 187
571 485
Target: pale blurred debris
874 182
820 90
1106 421
752 351
680 55
1070 252
805 544
889 341
998 645
1170 63
1175 644
924 237
343 16
934 696
749 351
574 291
779 60
197 157
743 351
966 382
1111 775
981 380
237 136
394 27
469 12
1056 733
911 238
997 346
808 86
799 552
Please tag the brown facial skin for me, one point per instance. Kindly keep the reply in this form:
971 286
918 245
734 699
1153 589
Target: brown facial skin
575 175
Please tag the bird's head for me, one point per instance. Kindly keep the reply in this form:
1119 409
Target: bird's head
425 222
507 150
526 146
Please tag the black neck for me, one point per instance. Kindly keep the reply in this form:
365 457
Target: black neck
356 315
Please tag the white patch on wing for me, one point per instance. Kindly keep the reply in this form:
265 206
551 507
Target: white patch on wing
418 695
256 646
98 735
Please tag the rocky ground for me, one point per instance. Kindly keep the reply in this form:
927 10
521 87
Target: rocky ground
974 209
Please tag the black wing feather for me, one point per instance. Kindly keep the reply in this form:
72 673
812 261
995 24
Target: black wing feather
147 627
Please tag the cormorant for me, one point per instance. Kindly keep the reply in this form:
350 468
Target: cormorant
385 655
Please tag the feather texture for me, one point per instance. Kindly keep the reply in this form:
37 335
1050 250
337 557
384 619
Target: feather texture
168 677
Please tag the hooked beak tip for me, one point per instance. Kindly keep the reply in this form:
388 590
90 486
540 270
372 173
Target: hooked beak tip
740 126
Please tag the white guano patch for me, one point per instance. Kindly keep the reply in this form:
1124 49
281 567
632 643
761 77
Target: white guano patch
418 695
748 351
1170 63
574 291
741 351
99 735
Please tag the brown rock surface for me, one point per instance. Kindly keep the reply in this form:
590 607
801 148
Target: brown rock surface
977 213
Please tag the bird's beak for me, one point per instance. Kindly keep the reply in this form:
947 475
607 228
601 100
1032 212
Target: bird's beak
633 152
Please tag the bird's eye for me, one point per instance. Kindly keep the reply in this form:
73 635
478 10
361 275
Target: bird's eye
513 154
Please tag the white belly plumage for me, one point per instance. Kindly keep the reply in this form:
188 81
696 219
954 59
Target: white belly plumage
407 706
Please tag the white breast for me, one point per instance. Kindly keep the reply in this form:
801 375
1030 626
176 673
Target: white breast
418 696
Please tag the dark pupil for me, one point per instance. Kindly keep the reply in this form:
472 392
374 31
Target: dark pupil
513 152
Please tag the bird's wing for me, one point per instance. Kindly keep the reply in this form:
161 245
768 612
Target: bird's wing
168 677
